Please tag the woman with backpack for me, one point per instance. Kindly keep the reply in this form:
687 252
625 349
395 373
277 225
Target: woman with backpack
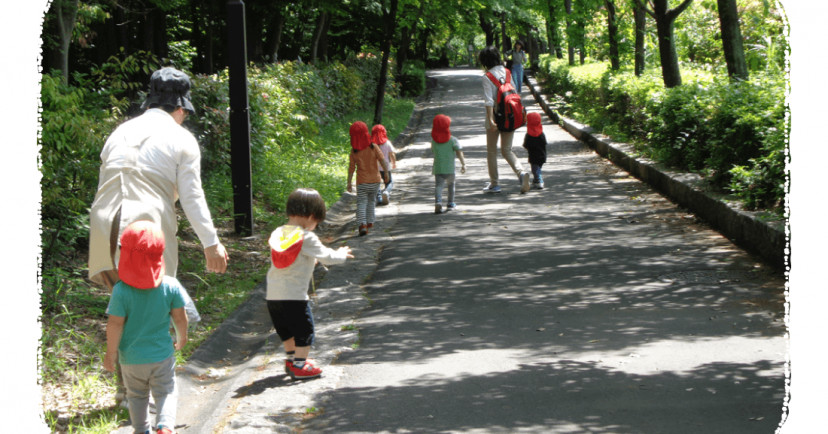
495 71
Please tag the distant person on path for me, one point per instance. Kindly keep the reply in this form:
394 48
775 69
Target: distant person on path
518 59
444 146
379 137
294 250
490 59
366 159
147 164
137 331
535 144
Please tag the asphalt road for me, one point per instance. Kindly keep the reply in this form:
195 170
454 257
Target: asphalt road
594 305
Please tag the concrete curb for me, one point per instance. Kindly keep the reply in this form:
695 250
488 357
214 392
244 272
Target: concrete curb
751 230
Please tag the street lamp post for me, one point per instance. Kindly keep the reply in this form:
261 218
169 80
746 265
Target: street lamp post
239 119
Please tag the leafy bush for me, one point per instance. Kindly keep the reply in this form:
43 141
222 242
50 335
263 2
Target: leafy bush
412 79
732 132
73 124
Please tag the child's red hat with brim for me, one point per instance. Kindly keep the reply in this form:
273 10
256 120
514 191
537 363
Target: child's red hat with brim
533 124
378 135
440 131
360 137
141 264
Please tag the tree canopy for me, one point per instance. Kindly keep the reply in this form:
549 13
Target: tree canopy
80 35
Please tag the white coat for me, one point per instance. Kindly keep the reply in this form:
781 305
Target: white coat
147 164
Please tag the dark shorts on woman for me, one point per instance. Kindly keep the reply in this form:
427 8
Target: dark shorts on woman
292 319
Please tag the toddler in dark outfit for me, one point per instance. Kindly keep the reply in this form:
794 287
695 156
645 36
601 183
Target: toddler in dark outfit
535 144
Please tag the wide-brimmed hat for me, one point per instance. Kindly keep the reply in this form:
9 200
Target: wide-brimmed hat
440 131
169 86
360 138
533 124
141 264
378 135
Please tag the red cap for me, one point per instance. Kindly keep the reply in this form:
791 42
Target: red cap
533 124
141 264
378 135
440 129
360 139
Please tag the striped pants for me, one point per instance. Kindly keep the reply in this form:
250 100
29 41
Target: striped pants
366 202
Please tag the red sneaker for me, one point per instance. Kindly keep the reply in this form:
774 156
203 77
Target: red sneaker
305 372
288 365
164 431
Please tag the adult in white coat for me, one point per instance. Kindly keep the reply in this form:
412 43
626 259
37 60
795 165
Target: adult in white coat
147 164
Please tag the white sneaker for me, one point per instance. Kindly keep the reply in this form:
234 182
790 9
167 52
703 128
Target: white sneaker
524 182
491 188
385 197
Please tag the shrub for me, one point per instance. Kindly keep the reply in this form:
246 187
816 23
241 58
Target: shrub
732 132
73 124
412 79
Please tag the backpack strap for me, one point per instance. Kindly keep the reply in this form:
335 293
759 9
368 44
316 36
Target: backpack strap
508 76
493 79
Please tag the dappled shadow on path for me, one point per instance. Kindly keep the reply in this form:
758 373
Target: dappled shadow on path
562 396
591 306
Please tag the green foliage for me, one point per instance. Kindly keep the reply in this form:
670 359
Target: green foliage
732 132
72 125
299 116
412 79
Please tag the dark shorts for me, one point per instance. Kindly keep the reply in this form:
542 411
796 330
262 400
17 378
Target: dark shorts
292 319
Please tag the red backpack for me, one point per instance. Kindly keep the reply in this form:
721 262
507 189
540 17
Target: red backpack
509 113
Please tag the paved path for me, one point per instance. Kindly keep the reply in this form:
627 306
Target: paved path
592 306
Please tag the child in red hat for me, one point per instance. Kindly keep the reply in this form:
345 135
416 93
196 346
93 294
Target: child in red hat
379 137
137 331
444 146
366 159
535 144
294 251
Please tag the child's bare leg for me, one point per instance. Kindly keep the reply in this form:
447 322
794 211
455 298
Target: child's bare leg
302 352
290 345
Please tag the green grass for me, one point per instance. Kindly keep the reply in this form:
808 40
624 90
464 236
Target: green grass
78 393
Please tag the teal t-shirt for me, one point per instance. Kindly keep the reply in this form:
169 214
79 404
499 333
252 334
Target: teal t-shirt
444 154
146 337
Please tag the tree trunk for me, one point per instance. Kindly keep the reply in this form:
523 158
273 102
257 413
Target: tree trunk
487 27
732 40
389 27
317 35
667 50
612 29
552 31
402 48
274 35
665 18
640 33
65 12
506 41
323 40
581 40
570 46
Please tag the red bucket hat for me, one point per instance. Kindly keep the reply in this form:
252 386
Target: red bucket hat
360 139
440 129
378 135
533 124
141 264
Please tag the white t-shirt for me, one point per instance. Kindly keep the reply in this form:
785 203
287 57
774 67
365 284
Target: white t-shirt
489 88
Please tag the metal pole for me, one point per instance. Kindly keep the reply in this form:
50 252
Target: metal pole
239 119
